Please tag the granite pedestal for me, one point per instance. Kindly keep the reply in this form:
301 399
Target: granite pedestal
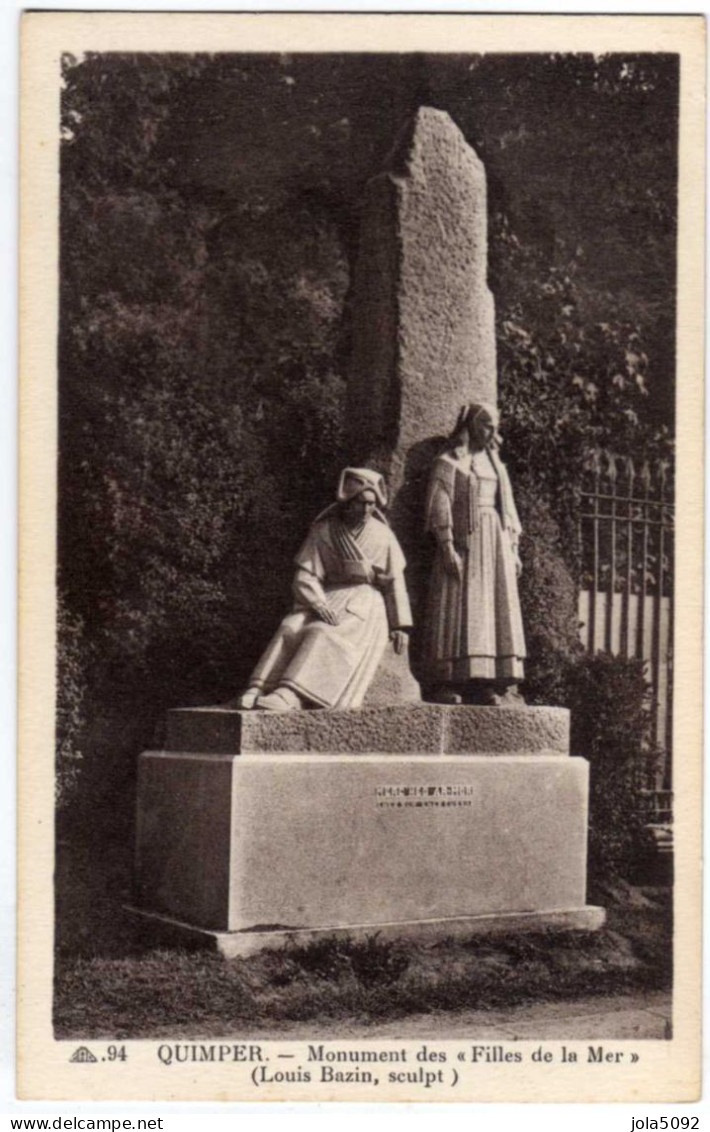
256 830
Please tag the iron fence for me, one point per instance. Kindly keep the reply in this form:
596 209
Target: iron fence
626 525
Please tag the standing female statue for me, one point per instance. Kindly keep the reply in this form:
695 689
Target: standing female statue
349 599
473 637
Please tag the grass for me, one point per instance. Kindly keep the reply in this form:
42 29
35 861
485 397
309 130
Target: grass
176 993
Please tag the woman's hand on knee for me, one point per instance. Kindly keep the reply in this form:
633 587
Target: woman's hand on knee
324 613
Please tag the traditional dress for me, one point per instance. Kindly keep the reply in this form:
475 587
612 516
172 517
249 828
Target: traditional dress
474 628
360 573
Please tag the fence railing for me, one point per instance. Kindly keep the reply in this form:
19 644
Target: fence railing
626 523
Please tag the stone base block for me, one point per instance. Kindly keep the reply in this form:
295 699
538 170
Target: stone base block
293 842
232 945
414 729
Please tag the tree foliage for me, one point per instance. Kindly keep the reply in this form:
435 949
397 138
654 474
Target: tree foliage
611 728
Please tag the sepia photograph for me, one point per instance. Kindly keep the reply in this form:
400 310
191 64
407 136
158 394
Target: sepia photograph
366 579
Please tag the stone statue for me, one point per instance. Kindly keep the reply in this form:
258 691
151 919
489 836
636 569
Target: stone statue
474 644
350 598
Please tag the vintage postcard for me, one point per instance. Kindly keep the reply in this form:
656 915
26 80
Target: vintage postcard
361 526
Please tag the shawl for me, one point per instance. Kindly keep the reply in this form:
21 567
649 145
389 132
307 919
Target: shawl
443 478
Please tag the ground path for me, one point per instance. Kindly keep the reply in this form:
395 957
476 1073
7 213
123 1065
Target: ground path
629 1016
625 1017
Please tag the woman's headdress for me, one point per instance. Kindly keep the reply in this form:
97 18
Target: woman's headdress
354 480
470 412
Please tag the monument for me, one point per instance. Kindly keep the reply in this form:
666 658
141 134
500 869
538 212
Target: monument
330 800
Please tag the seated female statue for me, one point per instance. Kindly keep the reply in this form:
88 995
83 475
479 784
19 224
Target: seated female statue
350 598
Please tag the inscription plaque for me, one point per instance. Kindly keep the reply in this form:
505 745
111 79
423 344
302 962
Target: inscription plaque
423 796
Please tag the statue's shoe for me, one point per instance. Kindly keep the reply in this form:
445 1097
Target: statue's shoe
247 701
446 696
283 699
511 698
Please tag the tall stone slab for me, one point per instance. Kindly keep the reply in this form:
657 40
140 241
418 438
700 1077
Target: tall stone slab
423 316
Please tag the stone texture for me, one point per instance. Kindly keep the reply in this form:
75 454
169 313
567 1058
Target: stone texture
336 841
231 945
432 729
423 316
388 729
393 682
503 730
